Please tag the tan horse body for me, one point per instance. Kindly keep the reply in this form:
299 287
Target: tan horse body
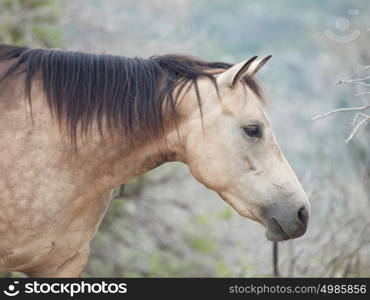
54 196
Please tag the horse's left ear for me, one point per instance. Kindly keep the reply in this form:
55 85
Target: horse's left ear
231 77
257 65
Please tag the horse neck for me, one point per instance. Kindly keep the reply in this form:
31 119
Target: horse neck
109 163
120 161
114 161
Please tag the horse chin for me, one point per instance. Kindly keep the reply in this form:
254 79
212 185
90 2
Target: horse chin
274 231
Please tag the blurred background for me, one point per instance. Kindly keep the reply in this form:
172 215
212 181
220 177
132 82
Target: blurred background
165 223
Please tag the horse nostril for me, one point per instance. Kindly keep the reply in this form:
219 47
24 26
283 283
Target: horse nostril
303 215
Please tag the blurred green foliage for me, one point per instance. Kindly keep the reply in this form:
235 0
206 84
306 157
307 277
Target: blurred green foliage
30 23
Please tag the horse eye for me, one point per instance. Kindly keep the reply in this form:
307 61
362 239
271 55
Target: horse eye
253 131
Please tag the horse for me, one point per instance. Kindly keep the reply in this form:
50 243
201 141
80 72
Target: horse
74 125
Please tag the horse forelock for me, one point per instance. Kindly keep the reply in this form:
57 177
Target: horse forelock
126 94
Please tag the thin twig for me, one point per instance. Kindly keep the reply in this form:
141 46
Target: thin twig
362 81
356 108
354 120
352 82
358 79
357 127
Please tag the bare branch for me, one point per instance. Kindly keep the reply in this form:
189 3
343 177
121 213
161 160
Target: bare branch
356 108
358 79
357 127
352 82
361 80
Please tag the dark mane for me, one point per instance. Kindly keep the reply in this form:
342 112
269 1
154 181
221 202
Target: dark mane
126 93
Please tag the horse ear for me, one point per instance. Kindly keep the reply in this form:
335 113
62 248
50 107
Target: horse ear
230 77
257 65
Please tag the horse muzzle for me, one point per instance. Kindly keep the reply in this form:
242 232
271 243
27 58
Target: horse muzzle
285 226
